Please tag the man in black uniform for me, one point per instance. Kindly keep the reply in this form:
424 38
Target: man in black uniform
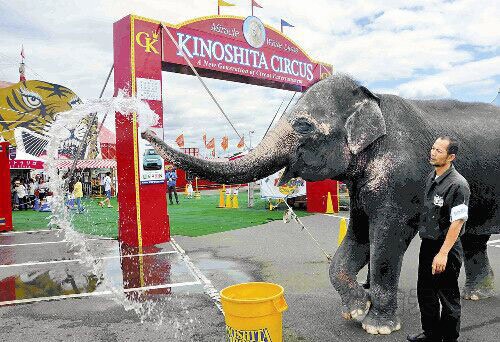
442 222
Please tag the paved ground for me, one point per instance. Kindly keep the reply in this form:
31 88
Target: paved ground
273 252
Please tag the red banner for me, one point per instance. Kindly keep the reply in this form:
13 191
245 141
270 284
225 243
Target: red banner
26 164
244 47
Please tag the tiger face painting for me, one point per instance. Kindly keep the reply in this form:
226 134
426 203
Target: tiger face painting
32 105
27 109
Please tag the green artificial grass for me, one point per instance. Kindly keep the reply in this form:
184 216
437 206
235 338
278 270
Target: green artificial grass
193 217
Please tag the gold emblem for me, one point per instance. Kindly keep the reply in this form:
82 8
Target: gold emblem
147 41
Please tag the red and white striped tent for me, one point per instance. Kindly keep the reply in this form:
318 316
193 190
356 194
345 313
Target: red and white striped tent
87 163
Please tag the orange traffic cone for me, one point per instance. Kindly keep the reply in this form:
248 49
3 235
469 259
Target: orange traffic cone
228 198
235 199
221 196
329 205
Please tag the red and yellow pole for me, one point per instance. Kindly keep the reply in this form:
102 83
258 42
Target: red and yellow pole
5 196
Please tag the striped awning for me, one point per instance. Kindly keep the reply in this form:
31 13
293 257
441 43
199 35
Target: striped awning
87 163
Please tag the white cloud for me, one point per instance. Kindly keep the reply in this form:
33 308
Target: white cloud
424 89
419 49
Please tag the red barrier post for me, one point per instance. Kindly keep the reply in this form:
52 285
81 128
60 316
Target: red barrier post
5 195
317 195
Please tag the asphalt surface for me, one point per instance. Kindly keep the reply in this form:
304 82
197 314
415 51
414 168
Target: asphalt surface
274 252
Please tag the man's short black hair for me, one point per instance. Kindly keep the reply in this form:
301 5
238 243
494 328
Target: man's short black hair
453 144
108 173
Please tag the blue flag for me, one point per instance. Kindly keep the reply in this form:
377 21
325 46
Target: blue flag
284 23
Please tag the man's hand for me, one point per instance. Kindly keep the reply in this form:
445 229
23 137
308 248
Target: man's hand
439 263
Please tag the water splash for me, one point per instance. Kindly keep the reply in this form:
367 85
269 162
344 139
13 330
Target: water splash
61 217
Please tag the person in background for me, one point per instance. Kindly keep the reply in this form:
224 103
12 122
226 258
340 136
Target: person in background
190 189
31 192
15 199
70 203
78 194
22 195
107 191
42 189
171 177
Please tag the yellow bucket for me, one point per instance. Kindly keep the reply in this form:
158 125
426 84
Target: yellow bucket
253 312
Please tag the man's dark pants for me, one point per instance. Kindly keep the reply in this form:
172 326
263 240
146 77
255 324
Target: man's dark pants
170 190
439 288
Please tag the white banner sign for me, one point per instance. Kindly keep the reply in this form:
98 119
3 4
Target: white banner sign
148 89
269 187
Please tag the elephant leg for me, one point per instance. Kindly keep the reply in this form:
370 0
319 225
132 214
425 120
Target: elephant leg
351 256
479 277
388 246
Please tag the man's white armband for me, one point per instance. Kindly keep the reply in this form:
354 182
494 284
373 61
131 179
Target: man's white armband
460 212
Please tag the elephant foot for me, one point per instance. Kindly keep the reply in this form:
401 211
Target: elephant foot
478 294
375 323
357 308
480 289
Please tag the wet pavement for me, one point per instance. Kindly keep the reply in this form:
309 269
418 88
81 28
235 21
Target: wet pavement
163 287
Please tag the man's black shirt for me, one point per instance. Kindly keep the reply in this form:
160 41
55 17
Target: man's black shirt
446 200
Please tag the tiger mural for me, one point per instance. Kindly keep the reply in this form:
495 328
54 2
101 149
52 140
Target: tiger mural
28 108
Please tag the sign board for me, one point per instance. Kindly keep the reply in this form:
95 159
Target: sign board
269 187
151 165
244 47
148 89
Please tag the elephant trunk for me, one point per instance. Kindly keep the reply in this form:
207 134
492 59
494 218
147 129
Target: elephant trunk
271 155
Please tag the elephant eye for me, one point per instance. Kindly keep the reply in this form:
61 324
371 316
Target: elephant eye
303 126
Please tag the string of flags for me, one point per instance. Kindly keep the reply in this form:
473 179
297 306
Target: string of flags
253 3
211 144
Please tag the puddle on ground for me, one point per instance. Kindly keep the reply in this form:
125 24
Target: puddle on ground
232 269
123 272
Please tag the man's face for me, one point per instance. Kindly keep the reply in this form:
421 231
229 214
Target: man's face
439 153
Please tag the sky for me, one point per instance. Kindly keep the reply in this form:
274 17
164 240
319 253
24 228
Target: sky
415 49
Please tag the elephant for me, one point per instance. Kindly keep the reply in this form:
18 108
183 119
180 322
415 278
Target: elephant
379 146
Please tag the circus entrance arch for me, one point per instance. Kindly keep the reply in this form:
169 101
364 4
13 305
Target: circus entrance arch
223 47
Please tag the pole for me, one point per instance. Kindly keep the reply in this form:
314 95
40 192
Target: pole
199 77
250 138
274 117
84 140
250 194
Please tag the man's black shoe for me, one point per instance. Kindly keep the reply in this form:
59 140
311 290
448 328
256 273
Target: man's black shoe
421 338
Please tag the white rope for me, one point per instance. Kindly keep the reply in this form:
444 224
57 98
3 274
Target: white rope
199 78
296 218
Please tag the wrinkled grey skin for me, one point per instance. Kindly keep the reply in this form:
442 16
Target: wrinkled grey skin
379 146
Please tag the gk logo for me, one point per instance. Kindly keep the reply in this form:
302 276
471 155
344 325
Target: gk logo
147 42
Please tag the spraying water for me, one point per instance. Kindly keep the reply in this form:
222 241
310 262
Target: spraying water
61 217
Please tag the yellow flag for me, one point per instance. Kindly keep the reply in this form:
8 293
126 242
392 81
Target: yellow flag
223 3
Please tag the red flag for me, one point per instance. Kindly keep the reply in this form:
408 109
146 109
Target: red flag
241 144
255 4
225 143
211 144
205 139
22 51
180 140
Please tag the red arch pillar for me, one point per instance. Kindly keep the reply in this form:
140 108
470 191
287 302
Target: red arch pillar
143 218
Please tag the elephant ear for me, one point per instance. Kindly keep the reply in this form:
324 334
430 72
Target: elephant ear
366 124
